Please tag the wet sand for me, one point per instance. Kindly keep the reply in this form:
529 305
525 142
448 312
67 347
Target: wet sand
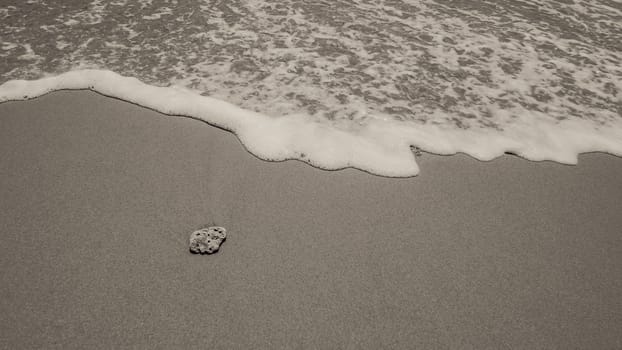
98 197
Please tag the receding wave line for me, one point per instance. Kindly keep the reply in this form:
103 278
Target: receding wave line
379 146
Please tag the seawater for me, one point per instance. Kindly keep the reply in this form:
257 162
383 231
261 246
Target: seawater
340 83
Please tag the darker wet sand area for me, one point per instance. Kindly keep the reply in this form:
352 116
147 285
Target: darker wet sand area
98 198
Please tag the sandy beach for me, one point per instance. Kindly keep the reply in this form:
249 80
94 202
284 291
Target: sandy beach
98 197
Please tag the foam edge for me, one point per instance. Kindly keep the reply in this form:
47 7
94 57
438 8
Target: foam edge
379 147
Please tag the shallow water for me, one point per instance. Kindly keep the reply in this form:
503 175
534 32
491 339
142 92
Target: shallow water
485 65
449 62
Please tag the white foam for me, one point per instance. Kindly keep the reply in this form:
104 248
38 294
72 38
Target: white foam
30 54
6 46
163 11
378 146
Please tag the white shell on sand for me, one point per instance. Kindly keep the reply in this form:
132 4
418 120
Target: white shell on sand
207 240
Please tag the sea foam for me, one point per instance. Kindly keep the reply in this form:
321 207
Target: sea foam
379 146
342 83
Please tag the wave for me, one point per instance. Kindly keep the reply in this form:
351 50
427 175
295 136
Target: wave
378 146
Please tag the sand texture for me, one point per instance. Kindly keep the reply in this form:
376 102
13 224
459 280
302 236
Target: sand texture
98 197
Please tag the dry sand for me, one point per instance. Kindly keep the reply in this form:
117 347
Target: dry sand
98 198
